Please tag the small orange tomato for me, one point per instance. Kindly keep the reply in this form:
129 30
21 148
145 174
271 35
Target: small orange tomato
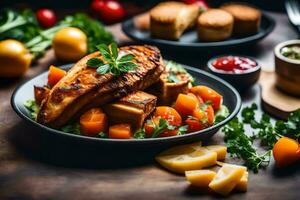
169 133
169 114
285 151
186 104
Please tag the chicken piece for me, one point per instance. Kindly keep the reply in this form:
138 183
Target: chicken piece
133 109
82 88
40 93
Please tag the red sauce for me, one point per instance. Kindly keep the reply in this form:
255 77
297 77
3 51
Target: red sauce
234 64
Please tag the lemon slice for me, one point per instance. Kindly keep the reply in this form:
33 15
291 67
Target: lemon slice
186 157
227 178
219 149
200 178
243 183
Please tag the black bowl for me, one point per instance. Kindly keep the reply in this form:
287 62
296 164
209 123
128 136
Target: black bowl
242 81
231 99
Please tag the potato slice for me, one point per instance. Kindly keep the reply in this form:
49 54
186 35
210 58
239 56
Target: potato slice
200 178
243 183
227 178
219 149
186 157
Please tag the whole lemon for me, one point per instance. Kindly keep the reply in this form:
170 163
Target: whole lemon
15 59
69 44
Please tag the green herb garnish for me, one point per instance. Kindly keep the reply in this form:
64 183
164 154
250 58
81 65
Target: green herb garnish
102 135
112 61
32 107
174 68
241 146
221 114
73 128
140 134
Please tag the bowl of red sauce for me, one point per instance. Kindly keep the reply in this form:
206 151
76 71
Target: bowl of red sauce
240 71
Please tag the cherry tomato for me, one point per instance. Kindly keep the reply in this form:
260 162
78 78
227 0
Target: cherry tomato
169 114
201 3
149 128
46 18
193 125
110 11
286 152
210 115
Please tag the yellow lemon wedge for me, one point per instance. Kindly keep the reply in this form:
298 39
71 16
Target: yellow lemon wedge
243 183
227 178
200 178
219 149
186 157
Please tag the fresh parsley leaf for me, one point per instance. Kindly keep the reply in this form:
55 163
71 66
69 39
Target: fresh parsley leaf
32 107
72 127
140 134
102 135
221 114
160 127
95 62
175 68
172 78
290 128
241 146
111 61
182 130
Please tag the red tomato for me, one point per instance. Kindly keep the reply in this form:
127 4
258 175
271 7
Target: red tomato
193 125
201 3
110 11
46 18
169 114
149 129
210 115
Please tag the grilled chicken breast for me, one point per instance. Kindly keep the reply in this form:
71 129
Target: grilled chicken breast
82 88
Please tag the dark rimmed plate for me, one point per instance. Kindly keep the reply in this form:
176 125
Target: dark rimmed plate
189 40
231 99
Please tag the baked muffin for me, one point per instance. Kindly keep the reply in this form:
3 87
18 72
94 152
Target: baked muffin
142 21
168 20
214 25
246 18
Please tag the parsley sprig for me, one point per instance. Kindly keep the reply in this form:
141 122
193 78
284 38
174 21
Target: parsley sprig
241 146
112 61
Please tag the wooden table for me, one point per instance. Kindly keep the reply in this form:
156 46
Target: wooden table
35 169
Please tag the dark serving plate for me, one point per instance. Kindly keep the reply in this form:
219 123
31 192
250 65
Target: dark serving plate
189 40
231 99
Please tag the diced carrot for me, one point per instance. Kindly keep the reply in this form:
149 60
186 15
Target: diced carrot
185 104
208 94
120 131
93 122
285 152
210 115
169 114
54 75
193 125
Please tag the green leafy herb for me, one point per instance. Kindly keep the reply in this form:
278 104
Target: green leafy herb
182 130
112 61
102 135
172 78
241 146
221 114
73 128
32 107
160 127
290 128
174 68
140 134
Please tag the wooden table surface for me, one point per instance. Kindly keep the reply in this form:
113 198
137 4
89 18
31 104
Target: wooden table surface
32 168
